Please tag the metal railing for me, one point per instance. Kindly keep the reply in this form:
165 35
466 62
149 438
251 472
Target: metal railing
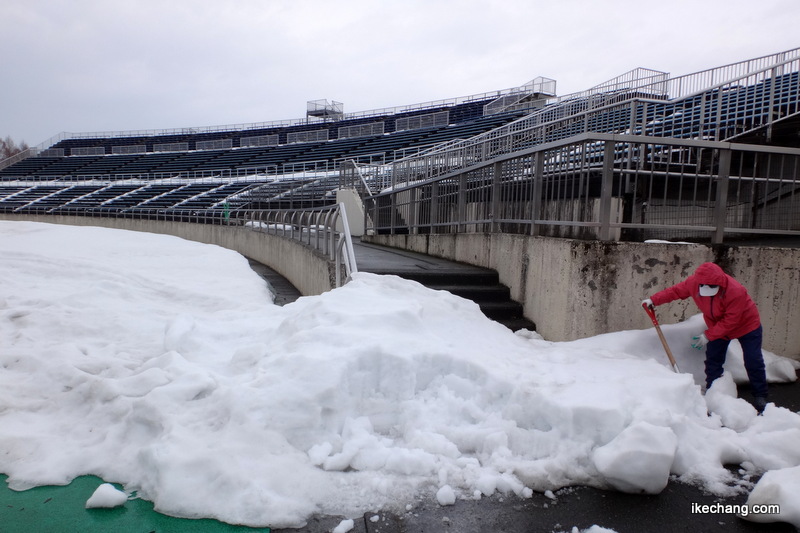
293 185
611 187
715 104
324 229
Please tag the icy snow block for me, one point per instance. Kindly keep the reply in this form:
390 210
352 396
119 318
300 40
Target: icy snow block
344 526
106 496
638 459
774 498
446 496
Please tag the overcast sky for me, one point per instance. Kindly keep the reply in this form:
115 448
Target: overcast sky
107 65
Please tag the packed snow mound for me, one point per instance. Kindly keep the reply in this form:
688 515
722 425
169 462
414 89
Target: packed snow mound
162 364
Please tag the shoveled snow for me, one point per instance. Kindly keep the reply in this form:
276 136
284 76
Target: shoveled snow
344 526
106 495
163 365
638 459
594 529
777 487
446 495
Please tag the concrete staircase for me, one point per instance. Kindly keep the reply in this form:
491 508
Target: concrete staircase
480 285
483 288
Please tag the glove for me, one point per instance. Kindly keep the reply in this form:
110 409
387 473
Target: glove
699 342
647 303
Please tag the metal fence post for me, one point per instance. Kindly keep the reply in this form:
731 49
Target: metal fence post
462 203
494 213
434 206
392 212
605 192
536 199
412 211
721 201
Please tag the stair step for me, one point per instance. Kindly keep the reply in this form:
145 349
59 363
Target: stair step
501 310
477 293
482 287
516 324
443 278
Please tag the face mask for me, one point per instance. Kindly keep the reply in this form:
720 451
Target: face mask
709 290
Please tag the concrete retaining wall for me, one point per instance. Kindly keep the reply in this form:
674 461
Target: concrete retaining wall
574 289
308 270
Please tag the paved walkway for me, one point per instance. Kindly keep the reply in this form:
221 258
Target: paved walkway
382 259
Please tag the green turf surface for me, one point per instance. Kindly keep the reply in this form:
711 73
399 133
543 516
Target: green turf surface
62 509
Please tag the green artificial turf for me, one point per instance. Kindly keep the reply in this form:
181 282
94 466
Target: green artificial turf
55 509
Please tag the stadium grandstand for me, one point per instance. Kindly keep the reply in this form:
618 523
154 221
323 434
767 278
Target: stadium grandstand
645 154
286 164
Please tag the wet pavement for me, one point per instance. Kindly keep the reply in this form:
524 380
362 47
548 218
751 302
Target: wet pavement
383 259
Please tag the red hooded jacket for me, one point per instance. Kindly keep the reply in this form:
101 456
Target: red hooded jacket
729 314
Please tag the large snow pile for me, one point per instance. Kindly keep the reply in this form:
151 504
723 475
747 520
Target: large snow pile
163 365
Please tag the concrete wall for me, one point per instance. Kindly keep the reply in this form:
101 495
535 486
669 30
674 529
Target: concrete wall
354 208
308 270
573 289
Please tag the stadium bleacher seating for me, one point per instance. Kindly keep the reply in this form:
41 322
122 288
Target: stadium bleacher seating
168 171
150 178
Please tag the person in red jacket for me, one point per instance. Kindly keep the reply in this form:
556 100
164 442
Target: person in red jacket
730 314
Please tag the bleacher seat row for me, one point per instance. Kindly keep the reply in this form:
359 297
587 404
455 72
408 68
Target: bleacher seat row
211 179
229 169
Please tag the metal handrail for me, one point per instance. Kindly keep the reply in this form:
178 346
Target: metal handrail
316 227
603 184
580 107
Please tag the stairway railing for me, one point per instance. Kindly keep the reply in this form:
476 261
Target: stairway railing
614 108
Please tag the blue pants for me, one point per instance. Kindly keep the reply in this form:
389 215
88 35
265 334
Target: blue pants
716 351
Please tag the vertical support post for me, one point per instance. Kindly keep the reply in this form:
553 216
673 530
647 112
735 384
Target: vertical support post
704 111
536 193
462 203
721 201
366 215
605 192
497 176
771 107
413 223
434 206
392 211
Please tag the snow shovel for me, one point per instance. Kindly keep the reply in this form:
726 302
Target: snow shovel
651 312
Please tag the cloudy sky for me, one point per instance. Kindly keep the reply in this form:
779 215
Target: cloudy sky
106 65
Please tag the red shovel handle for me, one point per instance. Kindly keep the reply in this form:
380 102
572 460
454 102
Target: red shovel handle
651 312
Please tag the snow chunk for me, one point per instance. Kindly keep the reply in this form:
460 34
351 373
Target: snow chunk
638 459
776 487
722 400
344 526
446 495
106 496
